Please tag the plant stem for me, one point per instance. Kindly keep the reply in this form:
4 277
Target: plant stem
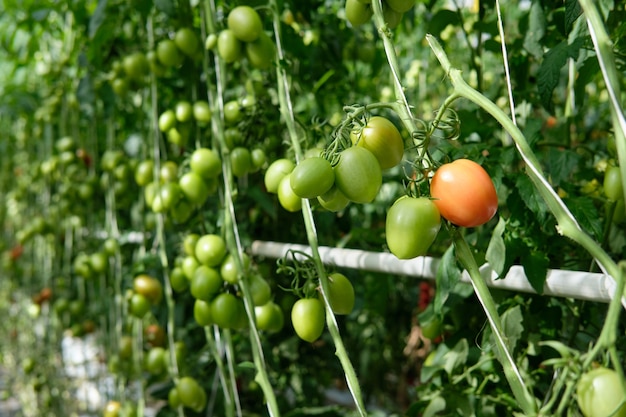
286 110
520 390
229 396
230 220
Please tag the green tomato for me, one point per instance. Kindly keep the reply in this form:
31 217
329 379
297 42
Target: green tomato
149 287
138 306
241 161
381 137
194 188
269 317
202 111
341 293
245 23
600 393
289 200
206 163
232 112
210 250
358 174
613 183
400 6
178 280
333 200
206 283
187 41
202 312
167 120
260 290
136 66
228 269
155 361
189 266
229 48
308 318
183 111
225 310
276 172
191 394
144 172
261 52
358 13
168 53
312 177
411 227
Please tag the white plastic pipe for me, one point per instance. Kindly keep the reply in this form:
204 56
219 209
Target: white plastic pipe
559 283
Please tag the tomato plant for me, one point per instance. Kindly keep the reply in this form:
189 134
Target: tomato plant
464 193
341 293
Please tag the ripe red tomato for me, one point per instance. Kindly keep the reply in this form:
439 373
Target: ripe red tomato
312 177
411 226
599 393
381 137
308 318
464 193
358 175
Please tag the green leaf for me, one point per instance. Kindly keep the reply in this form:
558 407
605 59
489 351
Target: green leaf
165 6
572 12
97 18
536 30
512 320
536 270
530 196
456 357
550 70
448 275
560 164
436 405
496 251
585 211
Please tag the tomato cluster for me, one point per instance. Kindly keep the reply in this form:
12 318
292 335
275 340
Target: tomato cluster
244 37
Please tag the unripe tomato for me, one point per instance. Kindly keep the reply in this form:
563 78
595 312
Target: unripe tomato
210 250
275 173
138 305
189 266
136 66
112 409
168 53
600 393
232 112
202 111
206 163
358 175
202 312
168 171
260 290
225 310
194 188
229 48
411 226
333 200
312 177
464 193
358 13
206 283
178 280
269 317
261 52
245 23
613 183
241 161
286 197
191 394
144 172
183 111
258 158
308 318
381 137
155 361
167 120
392 18
228 268
400 6
149 287
187 41
341 293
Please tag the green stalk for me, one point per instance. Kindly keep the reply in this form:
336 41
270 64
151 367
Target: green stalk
520 390
230 221
286 110
567 224
229 396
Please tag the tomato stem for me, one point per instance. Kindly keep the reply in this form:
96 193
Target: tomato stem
286 110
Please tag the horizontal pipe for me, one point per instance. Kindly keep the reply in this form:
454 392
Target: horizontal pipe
559 283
